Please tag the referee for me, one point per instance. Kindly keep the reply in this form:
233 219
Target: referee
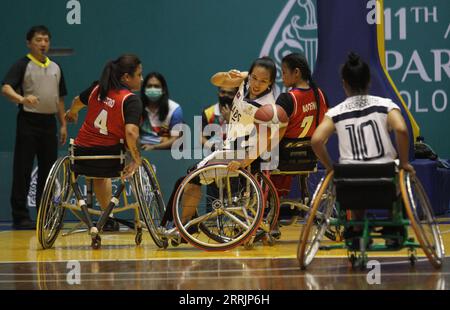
36 85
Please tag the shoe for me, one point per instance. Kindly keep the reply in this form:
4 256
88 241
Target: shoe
24 224
111 225
353 237
179 240
276 233
176 241
395 242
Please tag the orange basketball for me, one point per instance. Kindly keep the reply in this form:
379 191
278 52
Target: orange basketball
265 115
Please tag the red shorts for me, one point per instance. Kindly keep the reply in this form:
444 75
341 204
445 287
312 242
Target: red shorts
282 183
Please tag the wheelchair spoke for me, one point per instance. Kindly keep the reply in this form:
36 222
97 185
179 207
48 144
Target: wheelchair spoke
222 203
237 220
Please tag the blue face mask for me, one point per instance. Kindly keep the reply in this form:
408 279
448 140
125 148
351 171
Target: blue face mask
153 94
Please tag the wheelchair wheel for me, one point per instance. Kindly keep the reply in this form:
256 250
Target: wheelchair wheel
151 203
272 206
51 210
317 221
420 214
222 219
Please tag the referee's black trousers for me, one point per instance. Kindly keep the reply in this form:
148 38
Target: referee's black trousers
35 137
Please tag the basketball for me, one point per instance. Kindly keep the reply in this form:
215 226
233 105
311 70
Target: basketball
265 114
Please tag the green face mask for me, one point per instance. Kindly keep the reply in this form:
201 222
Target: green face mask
153 94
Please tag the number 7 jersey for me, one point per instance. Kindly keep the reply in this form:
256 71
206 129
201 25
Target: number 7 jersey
363 131
104 124
307 113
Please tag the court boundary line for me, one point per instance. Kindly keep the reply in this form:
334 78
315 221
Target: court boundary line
196 258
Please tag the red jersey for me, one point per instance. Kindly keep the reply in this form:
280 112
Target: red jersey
307 113
104 124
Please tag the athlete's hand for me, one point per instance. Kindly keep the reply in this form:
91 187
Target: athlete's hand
30 101
234 166
408 168
71 117
225 111
62 135
148 147
130 169
235 74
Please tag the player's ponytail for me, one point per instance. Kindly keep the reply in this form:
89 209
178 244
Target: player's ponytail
356 73
296 60
114 71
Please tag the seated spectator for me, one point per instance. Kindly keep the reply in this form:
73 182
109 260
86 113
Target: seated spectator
218 114
160 114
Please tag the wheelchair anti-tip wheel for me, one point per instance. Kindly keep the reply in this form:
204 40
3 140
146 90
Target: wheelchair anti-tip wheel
151 204
317 222
51 211
420 214
221 219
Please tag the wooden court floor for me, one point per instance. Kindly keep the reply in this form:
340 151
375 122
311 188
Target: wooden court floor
120 264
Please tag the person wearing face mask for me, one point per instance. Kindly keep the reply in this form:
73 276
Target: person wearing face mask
160 114
219 115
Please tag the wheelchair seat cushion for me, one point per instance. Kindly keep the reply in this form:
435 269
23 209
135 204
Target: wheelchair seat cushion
365 186
100 168
296 155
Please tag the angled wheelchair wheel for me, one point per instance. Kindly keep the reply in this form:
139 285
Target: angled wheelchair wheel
317 222
272 206
151 203
420 214
57 192
222 218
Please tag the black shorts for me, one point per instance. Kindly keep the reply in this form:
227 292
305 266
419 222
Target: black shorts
100 168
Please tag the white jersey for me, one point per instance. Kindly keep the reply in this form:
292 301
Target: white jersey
362 129
157 125
242 116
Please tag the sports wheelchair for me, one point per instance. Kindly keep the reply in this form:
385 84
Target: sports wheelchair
345 198
220 220
235 208
62 192
297 160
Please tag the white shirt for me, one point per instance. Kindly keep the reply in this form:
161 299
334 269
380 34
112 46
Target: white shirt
362 129
153 128
242 116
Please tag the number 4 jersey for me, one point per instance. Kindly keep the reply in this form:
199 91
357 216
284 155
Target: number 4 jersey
105 119
363 131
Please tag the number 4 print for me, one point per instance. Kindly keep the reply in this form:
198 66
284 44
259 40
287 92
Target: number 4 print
101 121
